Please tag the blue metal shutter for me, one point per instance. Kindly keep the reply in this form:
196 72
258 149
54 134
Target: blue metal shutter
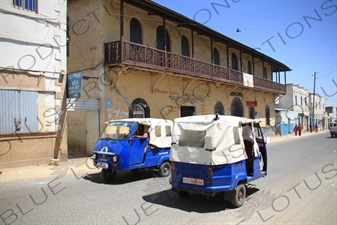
16 106
9 110
29 111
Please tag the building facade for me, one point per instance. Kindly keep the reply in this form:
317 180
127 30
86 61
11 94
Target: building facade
294 109
140 59
299 106
332 113
33 65
318 114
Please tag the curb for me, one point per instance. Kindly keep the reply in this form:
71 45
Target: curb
292 135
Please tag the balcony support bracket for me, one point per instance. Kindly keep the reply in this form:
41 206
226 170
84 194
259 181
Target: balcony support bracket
258 94
228 93
195 79
113 80
154 86
216 85
268 96
246 93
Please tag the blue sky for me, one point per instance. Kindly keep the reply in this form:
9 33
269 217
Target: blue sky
304 44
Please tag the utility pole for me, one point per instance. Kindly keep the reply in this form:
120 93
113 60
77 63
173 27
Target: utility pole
312 120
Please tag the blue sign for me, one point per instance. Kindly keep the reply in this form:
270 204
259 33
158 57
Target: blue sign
109 103
74 84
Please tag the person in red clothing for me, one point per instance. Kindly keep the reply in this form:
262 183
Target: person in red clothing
140 133
316 128
299 129
295 130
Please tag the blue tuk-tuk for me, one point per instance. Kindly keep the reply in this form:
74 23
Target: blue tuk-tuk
214 153
133 144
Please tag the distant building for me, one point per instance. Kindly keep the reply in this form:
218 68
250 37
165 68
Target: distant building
300 106
317 111
331 112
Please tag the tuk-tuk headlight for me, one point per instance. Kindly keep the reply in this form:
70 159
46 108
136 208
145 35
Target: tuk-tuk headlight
94 156
115 158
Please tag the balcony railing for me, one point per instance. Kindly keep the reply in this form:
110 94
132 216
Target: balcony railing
148 57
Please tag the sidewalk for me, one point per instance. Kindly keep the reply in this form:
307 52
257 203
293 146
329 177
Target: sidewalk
78 166
292 135
81 166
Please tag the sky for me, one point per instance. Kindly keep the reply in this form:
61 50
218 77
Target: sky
301 34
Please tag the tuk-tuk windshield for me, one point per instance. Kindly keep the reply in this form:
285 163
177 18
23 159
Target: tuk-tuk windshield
117 130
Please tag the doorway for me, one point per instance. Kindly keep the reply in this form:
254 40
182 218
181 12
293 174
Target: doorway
187 111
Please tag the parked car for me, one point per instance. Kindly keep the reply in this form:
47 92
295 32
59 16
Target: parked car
333 129
133 144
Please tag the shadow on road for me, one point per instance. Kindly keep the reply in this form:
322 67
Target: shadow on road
193 202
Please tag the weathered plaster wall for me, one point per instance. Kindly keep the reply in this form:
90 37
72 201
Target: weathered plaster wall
32 151
86 34
171 92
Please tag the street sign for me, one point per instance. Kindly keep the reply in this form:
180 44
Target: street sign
74 85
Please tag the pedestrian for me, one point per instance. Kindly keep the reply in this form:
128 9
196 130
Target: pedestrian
316 128
295 130
299 129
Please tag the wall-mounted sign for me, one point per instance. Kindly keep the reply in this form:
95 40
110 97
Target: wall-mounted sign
251 103
74 85
248 80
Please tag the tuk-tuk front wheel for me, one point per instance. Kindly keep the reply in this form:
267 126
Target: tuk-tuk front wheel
240 195
165 169
108 175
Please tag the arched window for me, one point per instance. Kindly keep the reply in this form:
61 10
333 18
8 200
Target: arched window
135 31
139 109
218 108
265 73
237 107
185 49
234 62
160 39
216 56
250 68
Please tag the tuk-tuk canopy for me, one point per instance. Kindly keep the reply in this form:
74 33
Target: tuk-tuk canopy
159 130
209 139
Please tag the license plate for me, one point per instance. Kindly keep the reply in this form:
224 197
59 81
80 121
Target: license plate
188 180
103 166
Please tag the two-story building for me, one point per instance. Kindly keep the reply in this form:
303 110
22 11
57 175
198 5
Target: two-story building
32 82
317 111
293 108
140 59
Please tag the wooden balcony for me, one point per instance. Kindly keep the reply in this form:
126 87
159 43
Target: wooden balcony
129 53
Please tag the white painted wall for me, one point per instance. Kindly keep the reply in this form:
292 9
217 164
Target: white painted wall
34 41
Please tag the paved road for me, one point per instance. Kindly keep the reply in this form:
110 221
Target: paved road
299 189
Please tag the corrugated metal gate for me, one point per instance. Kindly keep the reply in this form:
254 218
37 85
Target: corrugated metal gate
18 111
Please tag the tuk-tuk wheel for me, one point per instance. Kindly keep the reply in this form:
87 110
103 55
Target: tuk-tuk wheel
165 169
108 175
240 195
